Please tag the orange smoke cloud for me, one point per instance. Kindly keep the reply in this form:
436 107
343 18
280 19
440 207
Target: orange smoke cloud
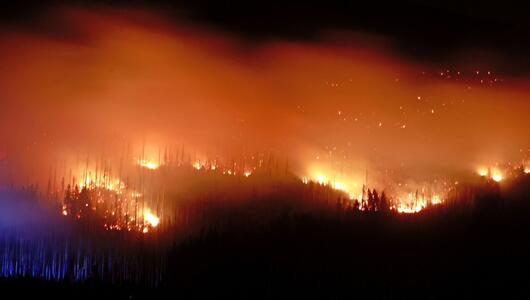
129 79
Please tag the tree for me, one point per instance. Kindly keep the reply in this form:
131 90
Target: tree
375 196
383 203
370 202
68 199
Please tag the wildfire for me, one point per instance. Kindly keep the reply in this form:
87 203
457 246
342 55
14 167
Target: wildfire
494 173
409 204
436 199
342 187
321 179
110 198
497 177
405 209
415 203
336 185
151 219
482 171
111 184
148 164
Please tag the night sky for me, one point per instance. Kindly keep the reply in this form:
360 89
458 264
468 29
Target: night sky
420 30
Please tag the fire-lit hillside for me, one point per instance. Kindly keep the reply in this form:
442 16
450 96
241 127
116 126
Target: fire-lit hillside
257 150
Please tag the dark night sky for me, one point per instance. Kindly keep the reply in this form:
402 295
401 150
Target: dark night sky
429 31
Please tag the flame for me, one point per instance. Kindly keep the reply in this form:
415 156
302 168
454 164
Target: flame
340 186
321 179
494 174
343 187
410 204
151 219
112 184
482 171
436 199
409 209
497 177
148 164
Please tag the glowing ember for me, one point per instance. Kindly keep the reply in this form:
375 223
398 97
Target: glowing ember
482 172
409 209
148 164
494 174
321 179
414 203
497 177
436 200
151 219
340 186
410 204
91 181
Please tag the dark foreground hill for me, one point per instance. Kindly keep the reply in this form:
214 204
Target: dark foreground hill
478 248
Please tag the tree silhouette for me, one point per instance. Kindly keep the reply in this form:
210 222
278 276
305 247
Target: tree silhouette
383 203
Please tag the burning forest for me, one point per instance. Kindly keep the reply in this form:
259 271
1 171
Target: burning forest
155 150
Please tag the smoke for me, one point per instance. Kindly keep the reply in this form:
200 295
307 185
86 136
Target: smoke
22 215
104 81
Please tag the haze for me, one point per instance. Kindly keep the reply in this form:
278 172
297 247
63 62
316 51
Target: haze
99 80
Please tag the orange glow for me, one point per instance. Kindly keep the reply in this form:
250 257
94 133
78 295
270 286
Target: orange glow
436 199
90 182
482 171
151 219
411 203
148 164
321 179
493 173
324 112
365 87
497 176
